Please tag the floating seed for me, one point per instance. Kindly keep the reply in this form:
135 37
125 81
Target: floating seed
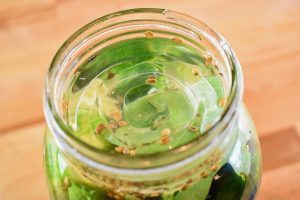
119 149
116 115
149 34
208 60
204 174
184 186
221 74
214 168
222 102
110 75
122 123
91 58
196 71
164 140
151 80
217 177
165 132
100 128
177 40
193 128
189 181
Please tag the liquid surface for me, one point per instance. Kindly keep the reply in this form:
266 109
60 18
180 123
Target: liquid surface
145 96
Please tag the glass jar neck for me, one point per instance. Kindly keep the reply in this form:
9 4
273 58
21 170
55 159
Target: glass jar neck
129 24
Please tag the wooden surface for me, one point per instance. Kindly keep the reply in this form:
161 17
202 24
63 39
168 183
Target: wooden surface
265 34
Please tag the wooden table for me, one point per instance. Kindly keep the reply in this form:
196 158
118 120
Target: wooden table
265 35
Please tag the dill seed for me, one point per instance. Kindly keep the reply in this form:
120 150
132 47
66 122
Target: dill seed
204 174
119 149
165 132
100 128
214 168
217 177
222 102
193 128
110 75
189 181
208 60
151 80
195 71
184 186
149 34
91 58
116 115
177 40
164 140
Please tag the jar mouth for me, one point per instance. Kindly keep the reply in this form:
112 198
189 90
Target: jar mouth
177 157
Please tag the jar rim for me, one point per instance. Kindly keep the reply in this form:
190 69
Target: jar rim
149 163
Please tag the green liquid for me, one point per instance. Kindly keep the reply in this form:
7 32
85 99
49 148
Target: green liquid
135 89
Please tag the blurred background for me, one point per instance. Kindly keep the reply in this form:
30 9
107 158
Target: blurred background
265 35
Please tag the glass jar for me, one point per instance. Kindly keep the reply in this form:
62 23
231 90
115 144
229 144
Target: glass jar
223 162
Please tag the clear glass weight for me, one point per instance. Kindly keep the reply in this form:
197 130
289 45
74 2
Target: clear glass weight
147 104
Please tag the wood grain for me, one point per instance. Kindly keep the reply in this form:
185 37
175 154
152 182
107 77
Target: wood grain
264 34
22 174
281 184
287 144
21 169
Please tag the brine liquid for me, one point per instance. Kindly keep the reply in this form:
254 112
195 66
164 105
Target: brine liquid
145 96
